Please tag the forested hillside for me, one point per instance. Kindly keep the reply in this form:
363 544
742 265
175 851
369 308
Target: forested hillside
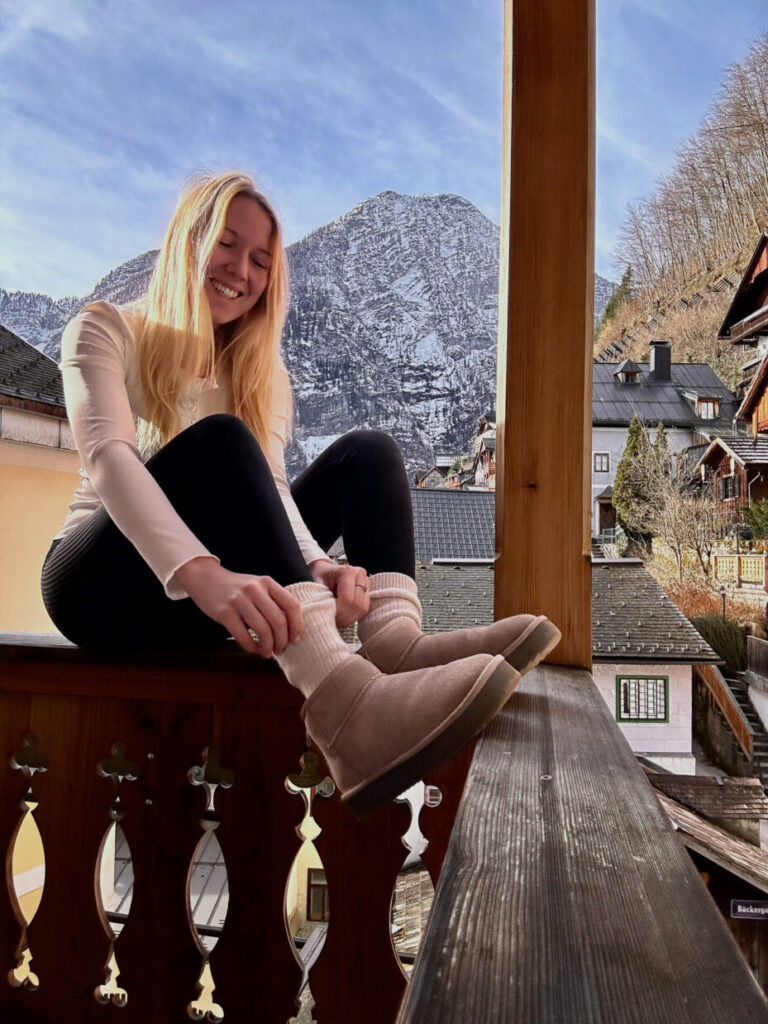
700 224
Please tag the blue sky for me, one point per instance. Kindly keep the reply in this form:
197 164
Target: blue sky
107 107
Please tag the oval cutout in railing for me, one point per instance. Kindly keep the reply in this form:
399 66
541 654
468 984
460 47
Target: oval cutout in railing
307 901
115 879
207 885
208 891
114 872
26 862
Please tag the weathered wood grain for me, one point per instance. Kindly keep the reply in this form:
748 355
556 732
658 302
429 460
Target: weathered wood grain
545 319
565 895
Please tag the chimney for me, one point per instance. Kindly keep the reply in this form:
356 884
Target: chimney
661 361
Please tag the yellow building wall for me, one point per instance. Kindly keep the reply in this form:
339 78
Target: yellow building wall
36 487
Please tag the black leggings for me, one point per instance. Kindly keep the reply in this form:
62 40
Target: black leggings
100 593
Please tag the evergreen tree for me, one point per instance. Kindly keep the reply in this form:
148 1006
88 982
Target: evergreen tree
756 517
622 294
661 454
630 488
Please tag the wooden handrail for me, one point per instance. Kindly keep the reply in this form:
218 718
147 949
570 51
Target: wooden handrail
713 679
166 710
565 895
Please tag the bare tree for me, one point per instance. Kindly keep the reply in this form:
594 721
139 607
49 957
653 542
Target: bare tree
711 206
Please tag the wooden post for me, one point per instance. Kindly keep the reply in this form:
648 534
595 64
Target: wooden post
544 405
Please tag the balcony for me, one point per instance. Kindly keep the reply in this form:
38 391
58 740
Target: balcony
562 894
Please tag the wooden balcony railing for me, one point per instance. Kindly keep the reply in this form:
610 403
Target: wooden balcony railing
757 661
741 569
565 896
97 721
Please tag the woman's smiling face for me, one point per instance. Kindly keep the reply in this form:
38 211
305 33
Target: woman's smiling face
239 267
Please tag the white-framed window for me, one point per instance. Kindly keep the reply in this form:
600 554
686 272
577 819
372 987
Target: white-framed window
642 698
708 408
602 462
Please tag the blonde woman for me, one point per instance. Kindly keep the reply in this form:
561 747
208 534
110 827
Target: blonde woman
185 531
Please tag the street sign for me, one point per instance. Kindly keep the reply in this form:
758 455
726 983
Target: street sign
753 910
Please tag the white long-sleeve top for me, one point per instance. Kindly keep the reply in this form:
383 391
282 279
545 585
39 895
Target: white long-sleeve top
103 393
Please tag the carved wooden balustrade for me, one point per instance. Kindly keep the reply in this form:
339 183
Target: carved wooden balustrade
174 746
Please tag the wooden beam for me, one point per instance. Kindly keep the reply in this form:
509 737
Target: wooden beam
565 895
544 405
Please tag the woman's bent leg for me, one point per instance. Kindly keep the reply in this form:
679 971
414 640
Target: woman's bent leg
358 489
371 510
100 592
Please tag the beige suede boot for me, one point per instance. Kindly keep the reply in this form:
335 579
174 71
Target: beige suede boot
392 639
381 733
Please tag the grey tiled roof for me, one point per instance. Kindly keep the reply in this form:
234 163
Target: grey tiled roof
614 403
633 619
26 373
744 859
457 596
747 450
714 798
628 366
453 524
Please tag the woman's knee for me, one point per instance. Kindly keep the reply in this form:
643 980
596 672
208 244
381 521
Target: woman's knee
220 428
219 436
376 447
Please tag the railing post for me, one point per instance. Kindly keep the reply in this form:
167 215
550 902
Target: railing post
544 405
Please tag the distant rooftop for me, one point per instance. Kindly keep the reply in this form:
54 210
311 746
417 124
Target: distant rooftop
745 450
632 618
453 524
713 797
615 403
26 374
735 855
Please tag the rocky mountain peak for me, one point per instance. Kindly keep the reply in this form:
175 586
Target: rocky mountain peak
391 325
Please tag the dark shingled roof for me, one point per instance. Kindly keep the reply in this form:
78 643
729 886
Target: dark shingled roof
746 450
27 374
735 855
453 524
455 596
614 403
714 798
628 366
634 620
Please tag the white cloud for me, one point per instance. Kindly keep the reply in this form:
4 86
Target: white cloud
65 19
630 148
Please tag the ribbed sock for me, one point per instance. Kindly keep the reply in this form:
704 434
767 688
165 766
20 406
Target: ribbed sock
393 596
305 664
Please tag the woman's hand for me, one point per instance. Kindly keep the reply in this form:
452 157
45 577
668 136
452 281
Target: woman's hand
241 602
348 584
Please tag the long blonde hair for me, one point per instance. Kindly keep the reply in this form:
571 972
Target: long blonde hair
175 336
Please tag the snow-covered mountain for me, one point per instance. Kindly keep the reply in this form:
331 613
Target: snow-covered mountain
392 323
